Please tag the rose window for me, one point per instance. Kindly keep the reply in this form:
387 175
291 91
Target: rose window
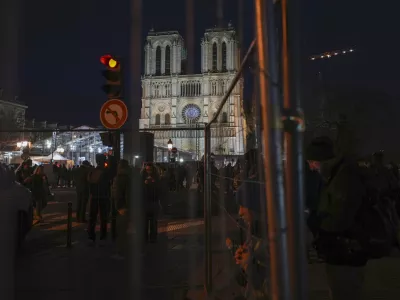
191 113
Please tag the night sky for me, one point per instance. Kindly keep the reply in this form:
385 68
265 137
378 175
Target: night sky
61 44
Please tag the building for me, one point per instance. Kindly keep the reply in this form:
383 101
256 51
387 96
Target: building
12 118
173 99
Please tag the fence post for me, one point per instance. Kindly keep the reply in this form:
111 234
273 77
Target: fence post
113 221
69 225
207 210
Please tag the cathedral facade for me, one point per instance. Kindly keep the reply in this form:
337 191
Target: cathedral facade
172 99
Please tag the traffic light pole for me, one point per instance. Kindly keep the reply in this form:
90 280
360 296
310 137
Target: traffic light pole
117 146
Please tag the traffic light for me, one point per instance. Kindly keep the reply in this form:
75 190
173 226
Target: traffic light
113 76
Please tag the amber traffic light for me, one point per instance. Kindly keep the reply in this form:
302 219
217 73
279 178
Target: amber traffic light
113 76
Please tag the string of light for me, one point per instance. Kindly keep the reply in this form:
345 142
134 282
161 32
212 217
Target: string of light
331 54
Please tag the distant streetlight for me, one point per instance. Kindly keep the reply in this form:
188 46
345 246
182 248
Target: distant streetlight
22 144
170 144
134 160
60 150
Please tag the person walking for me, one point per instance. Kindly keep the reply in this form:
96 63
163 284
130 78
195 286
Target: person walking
99 190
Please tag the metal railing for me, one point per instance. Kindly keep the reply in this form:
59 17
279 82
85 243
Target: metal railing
207 175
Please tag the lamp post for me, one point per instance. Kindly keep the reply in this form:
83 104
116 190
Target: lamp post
73 148
169 143
22 145
134 160
55 145
24 148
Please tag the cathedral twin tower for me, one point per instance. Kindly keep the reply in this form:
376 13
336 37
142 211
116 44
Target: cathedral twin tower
172 98
165 52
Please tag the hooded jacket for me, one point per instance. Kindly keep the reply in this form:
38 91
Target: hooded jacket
121 188
341 197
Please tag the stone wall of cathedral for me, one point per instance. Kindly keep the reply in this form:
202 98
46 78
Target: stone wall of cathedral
171 99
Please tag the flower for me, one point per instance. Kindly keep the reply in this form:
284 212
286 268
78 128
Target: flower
229 243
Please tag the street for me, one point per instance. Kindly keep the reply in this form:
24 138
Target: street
46 269
171 269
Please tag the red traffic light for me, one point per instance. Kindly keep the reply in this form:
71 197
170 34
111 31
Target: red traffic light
109 61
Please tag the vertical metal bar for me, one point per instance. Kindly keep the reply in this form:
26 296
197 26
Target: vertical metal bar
117 145
207 211
240 25
190 35
294 148
220 13
272 150
135 265
69 225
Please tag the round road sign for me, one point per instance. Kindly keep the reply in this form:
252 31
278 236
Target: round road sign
113 114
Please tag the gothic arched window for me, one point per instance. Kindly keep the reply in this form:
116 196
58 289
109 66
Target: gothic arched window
167 119
214 57
158 119
168 60
224 57
224 118
158 60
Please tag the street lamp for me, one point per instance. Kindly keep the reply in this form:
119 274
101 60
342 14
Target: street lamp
73 148
134 160
22 144
169 143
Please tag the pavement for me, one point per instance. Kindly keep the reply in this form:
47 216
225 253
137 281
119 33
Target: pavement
170 269
382 277
47 269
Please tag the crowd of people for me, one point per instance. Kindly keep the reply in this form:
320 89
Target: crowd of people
34 178
352 208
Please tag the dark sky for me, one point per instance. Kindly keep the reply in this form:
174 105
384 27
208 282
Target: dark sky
61 44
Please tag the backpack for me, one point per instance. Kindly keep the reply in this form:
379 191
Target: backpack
377 222
95 176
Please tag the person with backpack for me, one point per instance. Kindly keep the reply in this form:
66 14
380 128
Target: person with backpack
99 190
340 201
